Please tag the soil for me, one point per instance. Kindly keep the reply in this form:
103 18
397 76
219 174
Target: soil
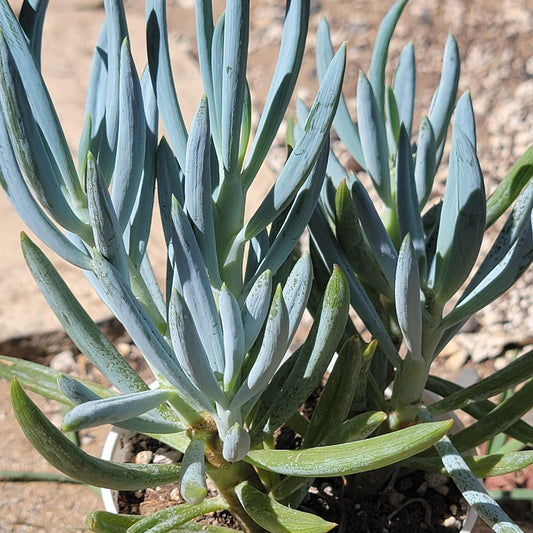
497 67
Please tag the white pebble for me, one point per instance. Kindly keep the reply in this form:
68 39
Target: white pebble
144 457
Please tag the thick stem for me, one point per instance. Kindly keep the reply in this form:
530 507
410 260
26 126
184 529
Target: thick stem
226 479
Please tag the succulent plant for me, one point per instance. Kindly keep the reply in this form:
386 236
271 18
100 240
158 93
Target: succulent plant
216 336
414 267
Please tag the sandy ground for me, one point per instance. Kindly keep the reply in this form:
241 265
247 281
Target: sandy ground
497 68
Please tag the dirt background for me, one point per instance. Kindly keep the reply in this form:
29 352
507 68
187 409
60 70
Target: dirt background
494 40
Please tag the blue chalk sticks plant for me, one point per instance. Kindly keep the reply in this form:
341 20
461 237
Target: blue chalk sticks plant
216 336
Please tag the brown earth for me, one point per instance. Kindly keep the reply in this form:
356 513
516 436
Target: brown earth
494 39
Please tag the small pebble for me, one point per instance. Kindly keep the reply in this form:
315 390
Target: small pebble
124 348
163 456
64 362
452 522
175 495
144 457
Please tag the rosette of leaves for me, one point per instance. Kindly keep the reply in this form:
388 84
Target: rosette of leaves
413 265
216 334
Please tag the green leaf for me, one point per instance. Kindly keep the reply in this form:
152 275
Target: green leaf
316 353
77 323
307 149
509 188
104 522
131 139
342 122
282 84
161 71
192 481
356 428
498 420
353 457
373 139
354 245
167 519
462 221
114 409
236 30
513 374
407 298
443 102
336 398
31 18
276 518
403 87
60 452
481 465
407 206
381 50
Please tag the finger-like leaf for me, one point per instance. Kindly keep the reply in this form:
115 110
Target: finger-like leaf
143 332
189 349
29 210
31 18
307 149
498 420
296 292
234 80
462 221
40 102
482 466
193 487
115 409
443 102
104 221
464 118
353 457
233 329
77 323
276 518
342 122
381 50
376 234
373 139
315 355
403 87
323 237
195 287
298 217
425 164
60 452
513 374
282 84
273 348
353 242
30 149
168 519
131 139
521 431
147 422
161 72
498 280
198 200
407 298
336 398
407 206
40 379
510 187
255 308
